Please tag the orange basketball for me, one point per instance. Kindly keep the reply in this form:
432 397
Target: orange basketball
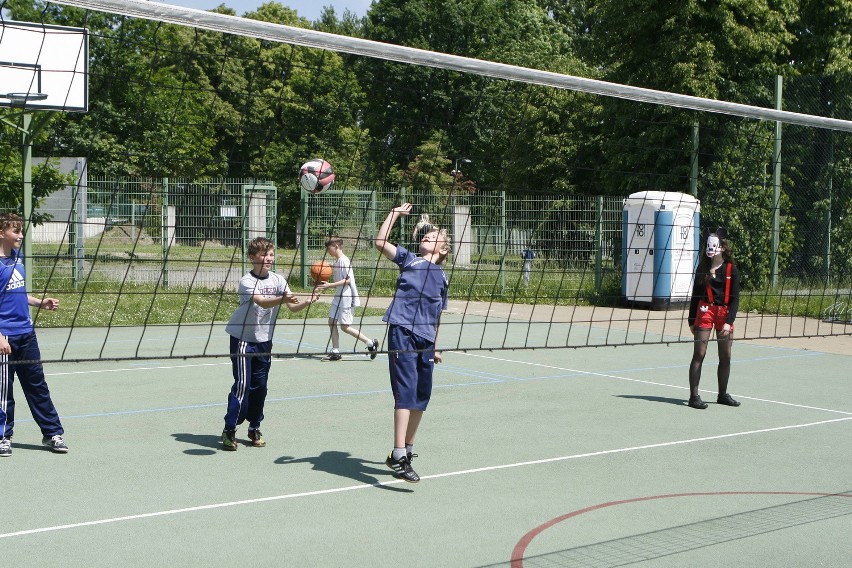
321 271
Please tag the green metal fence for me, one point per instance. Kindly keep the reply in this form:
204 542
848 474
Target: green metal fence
575 239
161 232
192 234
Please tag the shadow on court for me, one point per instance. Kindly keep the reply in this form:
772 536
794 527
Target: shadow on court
344 465
694 536
650 398
208 444
33 447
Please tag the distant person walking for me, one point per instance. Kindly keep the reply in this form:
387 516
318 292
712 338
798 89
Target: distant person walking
527 255
346 299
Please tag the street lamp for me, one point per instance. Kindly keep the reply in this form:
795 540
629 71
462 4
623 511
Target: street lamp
456 170
20 100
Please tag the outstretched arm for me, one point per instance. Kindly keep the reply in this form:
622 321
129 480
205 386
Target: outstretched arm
289 300
295 305
44 303
382 244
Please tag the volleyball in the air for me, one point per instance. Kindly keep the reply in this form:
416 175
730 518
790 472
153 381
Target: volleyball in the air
316 176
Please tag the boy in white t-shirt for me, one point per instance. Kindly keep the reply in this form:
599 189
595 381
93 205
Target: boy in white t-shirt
345 300
262 292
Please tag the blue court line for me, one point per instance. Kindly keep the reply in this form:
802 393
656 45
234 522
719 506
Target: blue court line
491 379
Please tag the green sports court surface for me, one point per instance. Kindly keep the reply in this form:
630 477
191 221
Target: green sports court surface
547 457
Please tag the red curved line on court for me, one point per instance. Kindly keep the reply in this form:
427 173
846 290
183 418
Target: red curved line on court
521 547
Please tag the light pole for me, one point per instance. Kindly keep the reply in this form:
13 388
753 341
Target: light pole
456 170
27 134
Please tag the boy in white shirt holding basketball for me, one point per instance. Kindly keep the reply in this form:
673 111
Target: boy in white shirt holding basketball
345 300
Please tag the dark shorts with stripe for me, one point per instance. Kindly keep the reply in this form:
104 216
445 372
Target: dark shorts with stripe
411 361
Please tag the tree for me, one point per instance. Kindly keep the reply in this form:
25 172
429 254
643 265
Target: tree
492 121
818 158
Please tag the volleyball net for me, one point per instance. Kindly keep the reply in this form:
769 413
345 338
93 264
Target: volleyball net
576 208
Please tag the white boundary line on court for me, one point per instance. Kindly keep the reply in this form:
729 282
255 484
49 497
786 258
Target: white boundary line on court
287 496
620 378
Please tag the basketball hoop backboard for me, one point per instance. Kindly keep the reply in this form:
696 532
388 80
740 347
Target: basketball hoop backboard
44 67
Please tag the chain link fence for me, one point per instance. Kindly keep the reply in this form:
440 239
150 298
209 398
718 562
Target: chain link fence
575 241
155 232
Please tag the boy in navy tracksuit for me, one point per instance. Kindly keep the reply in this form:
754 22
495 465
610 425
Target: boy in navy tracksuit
19 352
413 318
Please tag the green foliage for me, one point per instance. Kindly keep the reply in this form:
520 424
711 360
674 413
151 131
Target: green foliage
841 249
172 101
487 122
738 195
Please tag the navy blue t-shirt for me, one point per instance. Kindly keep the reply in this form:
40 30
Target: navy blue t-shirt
421 295
14 307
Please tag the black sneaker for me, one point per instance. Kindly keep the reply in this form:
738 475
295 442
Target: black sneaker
402 468
5 447
333 357
696 402
256 438
229 440
727 400
56 444
373 349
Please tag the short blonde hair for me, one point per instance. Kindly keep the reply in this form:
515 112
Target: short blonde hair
424 227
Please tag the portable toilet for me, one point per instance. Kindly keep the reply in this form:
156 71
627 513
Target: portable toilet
660 242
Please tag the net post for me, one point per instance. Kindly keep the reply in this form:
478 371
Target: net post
776 187
165 231
303 236
504 243
27 176
598 242
693 170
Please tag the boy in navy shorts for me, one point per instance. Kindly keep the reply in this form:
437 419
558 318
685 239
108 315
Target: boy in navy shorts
19 351
251 327
413 318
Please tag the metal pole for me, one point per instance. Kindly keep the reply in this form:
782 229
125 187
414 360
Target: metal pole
828 208
303 237
503 242
693 174
74 228
27 171
776 187
598 242
165 231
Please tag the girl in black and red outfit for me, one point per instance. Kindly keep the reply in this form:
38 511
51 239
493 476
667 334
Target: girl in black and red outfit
714 305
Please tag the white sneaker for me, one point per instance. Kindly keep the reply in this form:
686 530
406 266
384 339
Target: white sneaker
5 447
